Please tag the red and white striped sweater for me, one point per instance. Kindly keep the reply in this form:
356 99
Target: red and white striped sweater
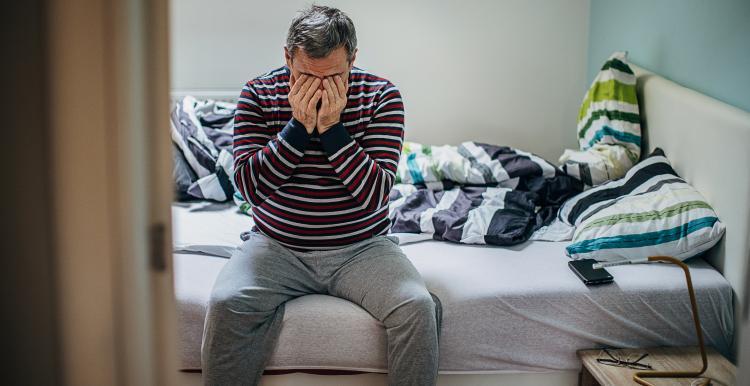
312 192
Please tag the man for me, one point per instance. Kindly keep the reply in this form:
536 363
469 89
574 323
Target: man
316 146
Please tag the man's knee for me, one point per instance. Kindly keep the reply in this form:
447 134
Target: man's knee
243 300
426 304
417 307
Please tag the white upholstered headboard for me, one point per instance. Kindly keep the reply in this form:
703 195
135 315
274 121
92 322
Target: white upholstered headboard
708 143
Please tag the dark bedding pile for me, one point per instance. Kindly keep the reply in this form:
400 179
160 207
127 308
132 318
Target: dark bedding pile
476 193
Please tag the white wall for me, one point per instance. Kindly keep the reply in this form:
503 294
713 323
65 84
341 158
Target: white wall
506 72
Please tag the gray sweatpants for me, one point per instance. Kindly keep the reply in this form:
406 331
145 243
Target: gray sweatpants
247 306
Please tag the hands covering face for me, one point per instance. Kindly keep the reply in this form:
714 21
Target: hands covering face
315 107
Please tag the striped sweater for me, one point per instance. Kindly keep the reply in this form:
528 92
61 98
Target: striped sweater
316 192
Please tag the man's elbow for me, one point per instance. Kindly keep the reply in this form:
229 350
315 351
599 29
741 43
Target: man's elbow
247 189
377 198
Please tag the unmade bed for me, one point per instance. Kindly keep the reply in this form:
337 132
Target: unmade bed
505 309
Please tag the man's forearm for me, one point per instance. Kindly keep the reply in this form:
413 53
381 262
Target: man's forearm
368 180
261 170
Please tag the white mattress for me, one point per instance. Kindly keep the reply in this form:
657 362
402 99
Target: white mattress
516 309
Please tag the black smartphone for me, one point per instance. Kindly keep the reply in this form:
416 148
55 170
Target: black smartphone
590 276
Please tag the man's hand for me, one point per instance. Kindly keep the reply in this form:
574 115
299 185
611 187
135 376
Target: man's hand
303 97
334 100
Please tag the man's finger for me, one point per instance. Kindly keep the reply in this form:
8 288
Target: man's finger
341 90
326 101
298 83
306 87
312 104
313 86
305 84
329 86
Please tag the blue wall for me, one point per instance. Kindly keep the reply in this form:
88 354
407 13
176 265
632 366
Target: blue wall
700 44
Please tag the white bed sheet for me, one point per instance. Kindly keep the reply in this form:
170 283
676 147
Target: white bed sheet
515 309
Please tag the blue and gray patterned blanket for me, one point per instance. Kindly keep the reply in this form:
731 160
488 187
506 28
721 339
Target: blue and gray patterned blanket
476 193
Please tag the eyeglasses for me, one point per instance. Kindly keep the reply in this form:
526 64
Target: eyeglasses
626 362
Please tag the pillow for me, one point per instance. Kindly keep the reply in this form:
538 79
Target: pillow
649 212
609 126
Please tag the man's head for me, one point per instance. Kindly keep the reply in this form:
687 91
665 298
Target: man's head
321 42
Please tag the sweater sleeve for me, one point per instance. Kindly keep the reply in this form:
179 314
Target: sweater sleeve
368 168
263 159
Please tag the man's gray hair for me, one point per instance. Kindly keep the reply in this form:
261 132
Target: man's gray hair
319 30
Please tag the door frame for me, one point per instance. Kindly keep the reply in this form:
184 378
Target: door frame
111 167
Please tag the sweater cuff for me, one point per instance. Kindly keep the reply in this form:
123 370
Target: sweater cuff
335 138
295 134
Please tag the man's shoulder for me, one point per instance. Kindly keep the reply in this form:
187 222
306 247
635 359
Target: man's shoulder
369 88
278 77
363 77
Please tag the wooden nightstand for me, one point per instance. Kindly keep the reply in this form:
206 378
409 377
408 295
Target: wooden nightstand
593 373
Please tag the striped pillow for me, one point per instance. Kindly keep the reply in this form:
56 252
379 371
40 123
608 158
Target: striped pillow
609 126
649 212
609 112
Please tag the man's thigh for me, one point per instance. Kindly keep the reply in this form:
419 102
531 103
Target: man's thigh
261 275
380 278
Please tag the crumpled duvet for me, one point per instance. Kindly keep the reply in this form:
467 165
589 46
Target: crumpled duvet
476 193
202 138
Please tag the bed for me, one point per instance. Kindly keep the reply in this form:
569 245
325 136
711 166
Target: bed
516 314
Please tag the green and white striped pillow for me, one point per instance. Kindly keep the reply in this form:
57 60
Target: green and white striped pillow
609 126
609 112
649 212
